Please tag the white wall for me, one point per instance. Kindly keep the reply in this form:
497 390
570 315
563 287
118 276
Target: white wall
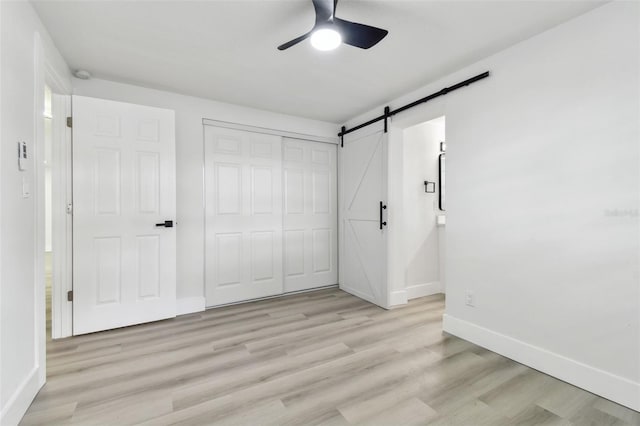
189 152
26 52
542 201
421 148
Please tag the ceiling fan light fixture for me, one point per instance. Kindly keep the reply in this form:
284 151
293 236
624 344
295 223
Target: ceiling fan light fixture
329 31
326 39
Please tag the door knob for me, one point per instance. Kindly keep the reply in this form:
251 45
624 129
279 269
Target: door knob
166 224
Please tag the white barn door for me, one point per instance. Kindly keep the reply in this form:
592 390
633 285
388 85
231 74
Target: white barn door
243 205
363 234
310 214
124 264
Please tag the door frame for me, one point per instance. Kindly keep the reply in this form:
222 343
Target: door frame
61 233
62 219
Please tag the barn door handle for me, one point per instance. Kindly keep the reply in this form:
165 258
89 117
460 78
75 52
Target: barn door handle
382 207
166 224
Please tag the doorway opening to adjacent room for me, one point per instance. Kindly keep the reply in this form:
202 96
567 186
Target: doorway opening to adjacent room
417 239
53 190
423 209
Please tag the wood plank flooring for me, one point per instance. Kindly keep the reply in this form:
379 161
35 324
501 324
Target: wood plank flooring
316 358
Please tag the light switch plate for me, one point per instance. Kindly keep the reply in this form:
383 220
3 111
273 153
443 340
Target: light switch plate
26 188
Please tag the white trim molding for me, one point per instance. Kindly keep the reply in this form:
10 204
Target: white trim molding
616 388
62 237
402 297
398 297
189 305
268 131
424 289
19 402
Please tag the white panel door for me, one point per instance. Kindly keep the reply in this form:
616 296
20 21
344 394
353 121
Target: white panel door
309 187
363 237
243 196
124 266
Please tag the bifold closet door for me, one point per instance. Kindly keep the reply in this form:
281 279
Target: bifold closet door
310 214
243 205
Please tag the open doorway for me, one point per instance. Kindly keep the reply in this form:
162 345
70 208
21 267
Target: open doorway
54 195
423 146
417 204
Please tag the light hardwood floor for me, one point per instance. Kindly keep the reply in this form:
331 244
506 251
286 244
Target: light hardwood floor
316 358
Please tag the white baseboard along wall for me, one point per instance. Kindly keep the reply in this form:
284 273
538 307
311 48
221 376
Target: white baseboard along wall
402 297
607 385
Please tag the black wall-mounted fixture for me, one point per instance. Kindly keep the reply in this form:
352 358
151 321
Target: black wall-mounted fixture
382 207
429 187
441 189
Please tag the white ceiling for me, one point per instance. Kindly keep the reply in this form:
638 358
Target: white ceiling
226 50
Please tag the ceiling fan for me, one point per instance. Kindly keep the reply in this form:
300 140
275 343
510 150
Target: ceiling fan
330 31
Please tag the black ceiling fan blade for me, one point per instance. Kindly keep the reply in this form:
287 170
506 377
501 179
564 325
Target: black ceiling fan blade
324 10
359 35
324 13
294 41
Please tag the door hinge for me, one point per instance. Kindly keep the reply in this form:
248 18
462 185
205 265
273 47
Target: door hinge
69 208
69 122
70 296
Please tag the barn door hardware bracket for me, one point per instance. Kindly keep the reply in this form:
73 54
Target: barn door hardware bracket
382 207
387 111
342 137
390 113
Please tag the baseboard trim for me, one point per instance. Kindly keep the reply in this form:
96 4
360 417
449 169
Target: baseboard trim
189 305
616 388
398 297
19 402
425 289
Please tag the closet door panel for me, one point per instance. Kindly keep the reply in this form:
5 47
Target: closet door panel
243 220
310 214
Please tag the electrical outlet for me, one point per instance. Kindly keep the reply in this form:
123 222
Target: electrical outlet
469 298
